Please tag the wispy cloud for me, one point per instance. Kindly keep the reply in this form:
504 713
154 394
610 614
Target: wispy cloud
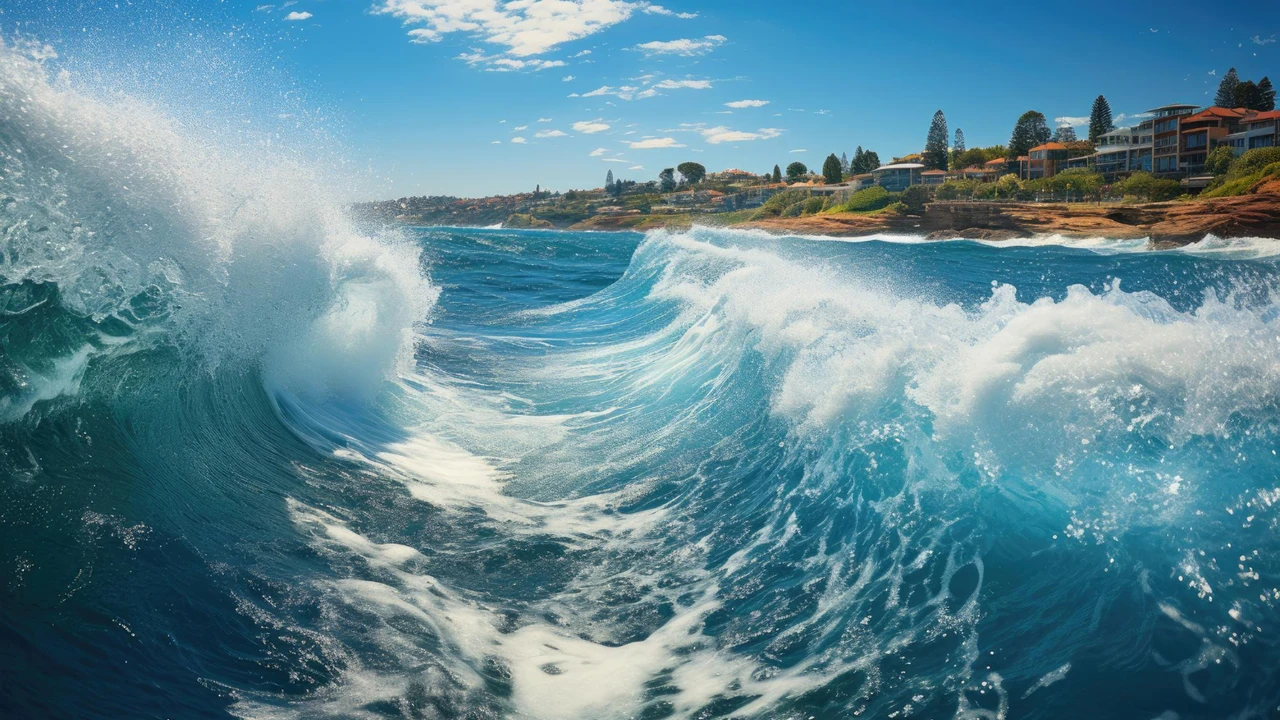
659 10
1071 121
568 78
746 103
655 143
685 84
521 28
617 160
544 120
581 53
798 150
502 63
518 128
722 134
683 46
597 152
496 142
590 127
296 16
519 140
550 134
1259 40
636 167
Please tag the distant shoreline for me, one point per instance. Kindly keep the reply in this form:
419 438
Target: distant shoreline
1168 224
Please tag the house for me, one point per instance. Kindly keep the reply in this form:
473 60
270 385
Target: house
996 168
1119 153
1202 132
1164 130
1257 131
933 177
979 173
898 176
862 182
1043 161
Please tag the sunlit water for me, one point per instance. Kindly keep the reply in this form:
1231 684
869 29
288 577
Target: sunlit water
256 461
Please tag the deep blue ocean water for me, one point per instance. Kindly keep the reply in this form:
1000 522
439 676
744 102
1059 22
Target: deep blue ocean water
259 461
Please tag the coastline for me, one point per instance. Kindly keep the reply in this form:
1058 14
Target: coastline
1165 225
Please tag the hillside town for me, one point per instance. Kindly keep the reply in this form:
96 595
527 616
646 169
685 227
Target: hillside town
1176 151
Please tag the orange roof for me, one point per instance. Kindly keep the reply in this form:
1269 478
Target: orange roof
1269 115
976 168
1049 146
1218 112
997 161
1024 158
934 172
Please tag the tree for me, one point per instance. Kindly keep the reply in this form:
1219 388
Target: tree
935 146
1030 131
859 164
913 199
870 160
831 170
844 163
1266 95
1219 160
667 180
608 181
958 145
1100 119
1248 95
1226 96
692 172
1065 134
796 170
777 174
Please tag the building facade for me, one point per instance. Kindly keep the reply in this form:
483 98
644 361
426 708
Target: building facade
1200 133
1258 131
1166 121
899 176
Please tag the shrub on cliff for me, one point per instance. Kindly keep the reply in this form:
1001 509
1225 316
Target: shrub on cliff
774 206
956 190
914 198
872 198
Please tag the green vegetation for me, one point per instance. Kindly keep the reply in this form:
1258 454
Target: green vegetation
831 172
935 146
1031 130
863 162
777 174
913 199
1065 134
667 180
1245 172
979 156
958 145
692 172
796 171
1145 186
1219 160
868 200
776 205
1100 119
1233 93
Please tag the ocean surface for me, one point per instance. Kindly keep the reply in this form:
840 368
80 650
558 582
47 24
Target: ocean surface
259 461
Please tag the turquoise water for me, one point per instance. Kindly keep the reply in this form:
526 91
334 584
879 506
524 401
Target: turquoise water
258 461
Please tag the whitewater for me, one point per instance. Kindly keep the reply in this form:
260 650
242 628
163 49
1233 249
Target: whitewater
260 460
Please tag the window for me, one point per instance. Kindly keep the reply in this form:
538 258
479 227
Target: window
1264 141
1198 140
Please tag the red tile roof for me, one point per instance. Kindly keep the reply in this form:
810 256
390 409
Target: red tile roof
997 161
1217 112
934 172
1269 115
1049 146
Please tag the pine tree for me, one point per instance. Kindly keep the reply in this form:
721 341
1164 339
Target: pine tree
958 145
1248 95
1100 119
859 162
935 146
1030 131
844 163
1266 95
831 170
608 181
1065 134
1226 96
870 160
777 174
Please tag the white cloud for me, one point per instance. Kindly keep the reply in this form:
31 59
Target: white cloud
501 63
581 53
636 167
799 150
659 10
722 134
617 160
544 120
1071 121
263 8
519 140
520 127
689 84
747 103
496 142
522 27
568 78
654 143
550 134
598 152
590 127
295 16
683 46
1259 40
624 92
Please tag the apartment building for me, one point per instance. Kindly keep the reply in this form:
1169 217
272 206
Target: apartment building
1257 131
1202 132
899 176
1166 121
1043 161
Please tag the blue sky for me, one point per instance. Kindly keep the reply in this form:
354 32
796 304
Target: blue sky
472 97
